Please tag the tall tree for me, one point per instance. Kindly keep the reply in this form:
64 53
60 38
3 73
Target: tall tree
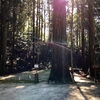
59 21
72 35
82 30
0 29
91 35
4 35
60 70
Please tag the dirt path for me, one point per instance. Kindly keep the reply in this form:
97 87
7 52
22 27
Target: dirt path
84 89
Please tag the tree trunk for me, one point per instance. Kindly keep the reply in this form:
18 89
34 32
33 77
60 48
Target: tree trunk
0 30
82 30
59 21
60 69
72 36
77 31
13 36
4 37
91 36
44 23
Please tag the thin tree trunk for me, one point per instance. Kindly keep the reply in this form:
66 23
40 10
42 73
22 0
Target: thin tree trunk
77 31
34 30
0 30
13 36
33 20
4 37
91 36
72 37
44 23
37 18
82 30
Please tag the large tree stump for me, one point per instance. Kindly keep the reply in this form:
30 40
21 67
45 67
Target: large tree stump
60 65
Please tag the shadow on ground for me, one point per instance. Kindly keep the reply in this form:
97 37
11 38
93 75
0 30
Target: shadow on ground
21 87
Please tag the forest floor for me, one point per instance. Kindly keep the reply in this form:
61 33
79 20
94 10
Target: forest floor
21 86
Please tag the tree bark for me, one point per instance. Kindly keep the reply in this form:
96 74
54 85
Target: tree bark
60 69
82 30
91 36
4 37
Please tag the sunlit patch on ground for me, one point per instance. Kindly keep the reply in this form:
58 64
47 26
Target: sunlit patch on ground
78 78
7 77
20 87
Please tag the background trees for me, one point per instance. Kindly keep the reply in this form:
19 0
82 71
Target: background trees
23 22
